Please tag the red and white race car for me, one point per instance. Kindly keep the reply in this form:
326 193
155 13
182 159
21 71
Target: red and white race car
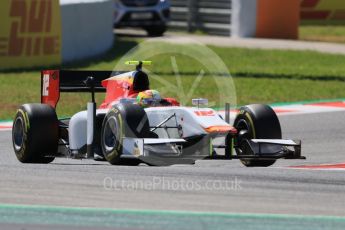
135 124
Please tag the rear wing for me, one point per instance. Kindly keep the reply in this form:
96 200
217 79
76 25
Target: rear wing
55 81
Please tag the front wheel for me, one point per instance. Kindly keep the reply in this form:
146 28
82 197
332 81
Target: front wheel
123 120
256 122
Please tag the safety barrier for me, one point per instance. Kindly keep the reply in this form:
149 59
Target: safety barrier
87 28
30 33
47 32
238 18
210 16
323 10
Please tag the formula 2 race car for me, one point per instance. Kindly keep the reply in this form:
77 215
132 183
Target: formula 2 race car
135 124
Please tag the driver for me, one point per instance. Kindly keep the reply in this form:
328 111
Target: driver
151 98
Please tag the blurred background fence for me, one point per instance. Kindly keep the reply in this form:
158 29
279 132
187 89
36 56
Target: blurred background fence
215 16
209 16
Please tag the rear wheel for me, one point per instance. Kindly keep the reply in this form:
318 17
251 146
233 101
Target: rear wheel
35 133
123 120
256 122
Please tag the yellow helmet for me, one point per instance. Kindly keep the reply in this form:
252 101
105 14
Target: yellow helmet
148 97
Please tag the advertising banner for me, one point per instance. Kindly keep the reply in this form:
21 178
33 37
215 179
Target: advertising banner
323 9
30 33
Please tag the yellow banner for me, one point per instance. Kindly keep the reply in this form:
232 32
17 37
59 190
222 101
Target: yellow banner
323 9
330 5
30 33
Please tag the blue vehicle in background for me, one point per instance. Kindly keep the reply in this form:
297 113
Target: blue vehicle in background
151 15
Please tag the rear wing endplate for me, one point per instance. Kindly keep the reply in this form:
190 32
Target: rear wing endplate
55 81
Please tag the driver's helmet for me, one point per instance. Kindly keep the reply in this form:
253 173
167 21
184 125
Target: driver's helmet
148 98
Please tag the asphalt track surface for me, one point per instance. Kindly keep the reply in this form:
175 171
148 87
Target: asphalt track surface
208 195
209 188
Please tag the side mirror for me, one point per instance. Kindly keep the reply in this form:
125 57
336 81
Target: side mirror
199 101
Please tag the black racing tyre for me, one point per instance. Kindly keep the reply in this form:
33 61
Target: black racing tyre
256 122
123 120
35 133
156 31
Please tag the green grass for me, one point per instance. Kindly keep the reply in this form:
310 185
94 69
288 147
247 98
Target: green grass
260 76
283 64
334 32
